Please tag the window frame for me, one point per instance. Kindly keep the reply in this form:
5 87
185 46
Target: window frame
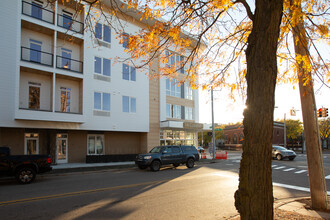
95 139
102 66
102 101
64 58
130 75
37 52
68 94
31 138
35 85
172 89
101 31
36 6
129 104
175 60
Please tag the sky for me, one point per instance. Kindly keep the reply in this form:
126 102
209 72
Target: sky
286 97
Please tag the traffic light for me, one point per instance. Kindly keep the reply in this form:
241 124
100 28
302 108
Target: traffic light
320 112
324 112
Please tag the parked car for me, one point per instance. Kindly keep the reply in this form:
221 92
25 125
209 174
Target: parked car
281 152
23 167
164 155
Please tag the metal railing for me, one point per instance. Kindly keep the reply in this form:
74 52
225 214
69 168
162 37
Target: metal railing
70 24
69 64
36 11
36 56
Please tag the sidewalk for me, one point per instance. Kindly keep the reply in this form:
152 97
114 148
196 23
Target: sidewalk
68 167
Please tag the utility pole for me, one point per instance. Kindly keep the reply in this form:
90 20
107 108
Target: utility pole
285 130
213 134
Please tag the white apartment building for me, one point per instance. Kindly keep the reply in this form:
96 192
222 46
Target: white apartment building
62 94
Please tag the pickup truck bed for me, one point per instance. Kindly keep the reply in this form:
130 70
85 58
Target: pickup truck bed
23 167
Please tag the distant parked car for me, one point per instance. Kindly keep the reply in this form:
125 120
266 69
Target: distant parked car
281 152
200 149
165 155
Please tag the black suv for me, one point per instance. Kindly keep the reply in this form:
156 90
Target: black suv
164 155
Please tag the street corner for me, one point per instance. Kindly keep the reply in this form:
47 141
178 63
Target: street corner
298 208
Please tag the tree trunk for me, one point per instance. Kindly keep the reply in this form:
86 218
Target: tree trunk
313 144
254 197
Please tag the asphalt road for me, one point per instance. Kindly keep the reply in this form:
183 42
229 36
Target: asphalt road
204 192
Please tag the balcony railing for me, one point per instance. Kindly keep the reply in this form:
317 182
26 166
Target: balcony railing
67 22
35 10
36 56
69 64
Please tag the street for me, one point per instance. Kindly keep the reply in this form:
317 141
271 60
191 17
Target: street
204 192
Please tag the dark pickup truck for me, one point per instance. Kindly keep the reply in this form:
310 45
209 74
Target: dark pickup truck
164 155
23 167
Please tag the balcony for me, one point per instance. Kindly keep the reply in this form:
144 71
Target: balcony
66 21
66 63
37 11
36 56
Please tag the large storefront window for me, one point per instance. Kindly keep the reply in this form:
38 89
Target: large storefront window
95 144
174 137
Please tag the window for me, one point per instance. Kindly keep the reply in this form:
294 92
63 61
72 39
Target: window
65 99
173 111
235 139
126 40
95 145
35 51
66 58
129 104
106 35
36 9
67 20
31 143
129 72
102 101
189 113
176 149
34 95
172 88
176 61
102 67
188 92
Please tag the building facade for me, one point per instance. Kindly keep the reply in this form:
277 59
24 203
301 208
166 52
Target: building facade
234 135
63 94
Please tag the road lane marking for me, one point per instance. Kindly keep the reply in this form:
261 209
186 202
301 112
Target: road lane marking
286 170
274 166
301 171
12 202
299 188
327 177
278 168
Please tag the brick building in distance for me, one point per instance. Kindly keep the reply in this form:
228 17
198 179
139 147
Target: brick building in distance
234 135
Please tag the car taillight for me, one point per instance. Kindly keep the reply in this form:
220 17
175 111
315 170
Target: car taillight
49 160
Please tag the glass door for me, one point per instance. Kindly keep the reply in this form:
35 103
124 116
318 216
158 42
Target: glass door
62 148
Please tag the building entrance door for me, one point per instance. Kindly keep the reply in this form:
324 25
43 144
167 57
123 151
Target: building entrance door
62 148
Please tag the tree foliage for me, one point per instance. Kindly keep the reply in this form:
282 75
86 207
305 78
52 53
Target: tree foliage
324 126
294 128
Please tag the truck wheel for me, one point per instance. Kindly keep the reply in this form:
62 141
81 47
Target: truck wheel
155 165
25 175
190 163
